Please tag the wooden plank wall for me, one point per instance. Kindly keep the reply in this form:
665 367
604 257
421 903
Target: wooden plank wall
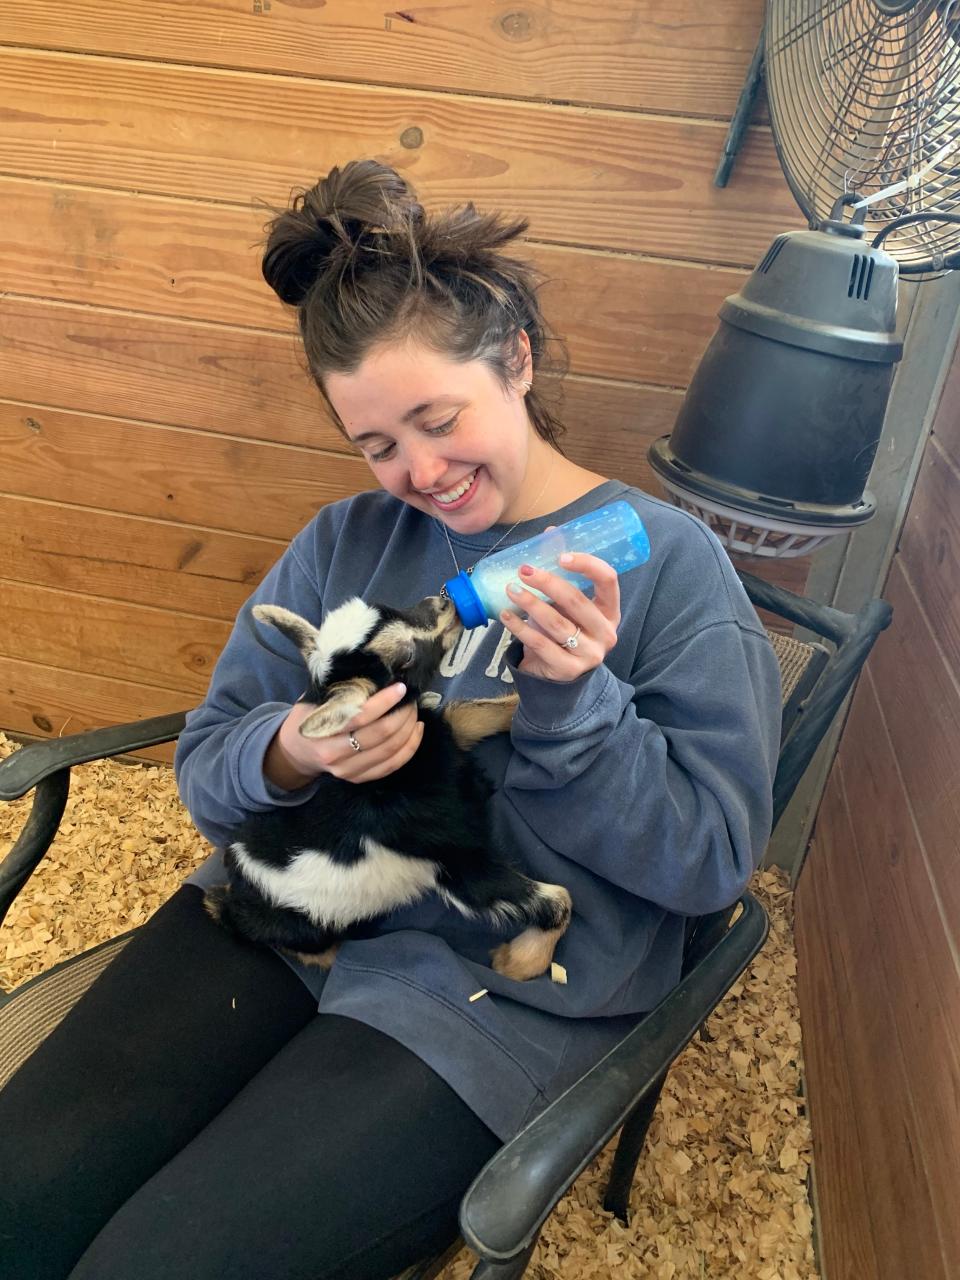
159 440
878 918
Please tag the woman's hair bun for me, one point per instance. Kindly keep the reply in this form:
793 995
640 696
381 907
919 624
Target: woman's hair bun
331 220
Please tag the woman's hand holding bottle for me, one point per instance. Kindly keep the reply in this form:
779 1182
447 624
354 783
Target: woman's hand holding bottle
568 615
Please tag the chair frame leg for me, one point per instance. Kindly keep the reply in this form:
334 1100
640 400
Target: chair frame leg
510 1270
49 802
632 1137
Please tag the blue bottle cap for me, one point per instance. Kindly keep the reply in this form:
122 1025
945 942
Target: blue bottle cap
466 601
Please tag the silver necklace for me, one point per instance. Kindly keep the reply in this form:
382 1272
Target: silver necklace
490 550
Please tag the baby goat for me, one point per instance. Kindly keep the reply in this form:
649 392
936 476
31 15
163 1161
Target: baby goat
300 877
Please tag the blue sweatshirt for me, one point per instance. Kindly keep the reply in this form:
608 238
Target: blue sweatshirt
644 787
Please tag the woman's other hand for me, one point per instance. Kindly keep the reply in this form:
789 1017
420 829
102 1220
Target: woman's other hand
567 615
388 736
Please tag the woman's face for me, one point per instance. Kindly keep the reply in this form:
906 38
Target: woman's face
446 437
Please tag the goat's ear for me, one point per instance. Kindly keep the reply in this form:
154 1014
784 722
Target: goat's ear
303 633
342 702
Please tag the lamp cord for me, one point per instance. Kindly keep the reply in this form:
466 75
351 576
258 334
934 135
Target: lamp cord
945 262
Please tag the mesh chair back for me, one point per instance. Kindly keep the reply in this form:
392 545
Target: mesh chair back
43 1002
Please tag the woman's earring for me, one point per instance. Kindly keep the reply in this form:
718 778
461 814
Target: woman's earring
526 387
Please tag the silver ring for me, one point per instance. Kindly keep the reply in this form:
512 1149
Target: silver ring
353 742
571 642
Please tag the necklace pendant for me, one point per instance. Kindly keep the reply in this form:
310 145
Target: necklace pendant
469 572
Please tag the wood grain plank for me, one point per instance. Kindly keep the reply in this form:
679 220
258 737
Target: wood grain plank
946 425
152 562
899 1198
264 489
682 58
623 317
919 967
173 651
192 486
209 377
922 980
217 379
139 252
582 176
844 1221
930 548
50 702
921 704
618 316
610 426
191 477
199 479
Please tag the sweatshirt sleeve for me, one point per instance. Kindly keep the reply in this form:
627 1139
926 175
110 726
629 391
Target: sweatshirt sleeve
257 679
662 785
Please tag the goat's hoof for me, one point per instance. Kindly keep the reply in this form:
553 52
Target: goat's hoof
213 901
318 959
526 956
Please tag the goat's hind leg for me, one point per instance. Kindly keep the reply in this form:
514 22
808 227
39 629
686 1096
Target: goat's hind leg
477 718
530 953
243 911
501 894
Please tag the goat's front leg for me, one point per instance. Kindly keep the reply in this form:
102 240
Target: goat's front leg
479 718
500 894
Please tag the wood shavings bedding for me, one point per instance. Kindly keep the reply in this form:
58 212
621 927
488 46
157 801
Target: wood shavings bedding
721 1190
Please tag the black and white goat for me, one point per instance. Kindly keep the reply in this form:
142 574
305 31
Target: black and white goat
301 876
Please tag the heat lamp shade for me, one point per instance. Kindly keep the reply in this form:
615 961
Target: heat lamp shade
784 413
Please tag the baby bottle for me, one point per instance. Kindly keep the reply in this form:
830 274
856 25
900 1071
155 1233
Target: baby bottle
613 533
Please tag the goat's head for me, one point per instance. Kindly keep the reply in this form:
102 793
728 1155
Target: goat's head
361 648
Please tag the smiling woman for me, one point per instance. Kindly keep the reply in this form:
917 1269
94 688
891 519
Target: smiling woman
432 319
636 775
466 455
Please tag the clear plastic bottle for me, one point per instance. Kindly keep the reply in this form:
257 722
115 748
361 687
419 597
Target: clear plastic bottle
614 533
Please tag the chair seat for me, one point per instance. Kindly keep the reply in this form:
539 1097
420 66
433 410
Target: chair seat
800 666
794 656
34 1009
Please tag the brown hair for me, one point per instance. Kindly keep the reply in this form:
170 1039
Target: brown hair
364 264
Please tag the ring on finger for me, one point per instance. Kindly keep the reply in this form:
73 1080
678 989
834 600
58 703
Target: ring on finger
573 641
352 739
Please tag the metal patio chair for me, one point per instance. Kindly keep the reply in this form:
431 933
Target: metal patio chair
503 1211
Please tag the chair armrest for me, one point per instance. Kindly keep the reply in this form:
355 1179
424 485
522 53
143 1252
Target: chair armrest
22 771
44 768
821 618
512 1196
818 710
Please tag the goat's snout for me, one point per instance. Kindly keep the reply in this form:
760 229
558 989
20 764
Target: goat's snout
447 621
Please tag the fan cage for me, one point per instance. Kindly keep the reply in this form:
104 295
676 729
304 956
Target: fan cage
865 95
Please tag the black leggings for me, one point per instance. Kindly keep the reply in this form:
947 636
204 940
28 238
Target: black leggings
194 1116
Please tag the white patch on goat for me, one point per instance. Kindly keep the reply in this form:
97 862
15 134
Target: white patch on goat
498 912
335 895
343 630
